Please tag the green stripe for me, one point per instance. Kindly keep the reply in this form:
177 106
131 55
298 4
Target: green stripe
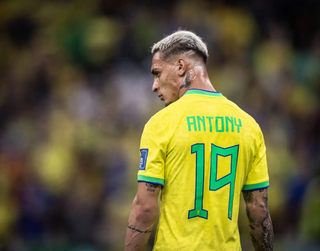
150 179
202 92
256 186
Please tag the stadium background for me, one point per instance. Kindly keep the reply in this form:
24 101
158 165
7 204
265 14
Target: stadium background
75 93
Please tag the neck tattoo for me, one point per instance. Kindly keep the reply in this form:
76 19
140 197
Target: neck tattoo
186 82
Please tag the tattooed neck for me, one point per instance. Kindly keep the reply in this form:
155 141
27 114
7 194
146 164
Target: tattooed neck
186 82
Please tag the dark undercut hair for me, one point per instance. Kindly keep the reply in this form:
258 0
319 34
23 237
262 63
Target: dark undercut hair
181 42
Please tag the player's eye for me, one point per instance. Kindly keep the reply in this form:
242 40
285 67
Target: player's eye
156 73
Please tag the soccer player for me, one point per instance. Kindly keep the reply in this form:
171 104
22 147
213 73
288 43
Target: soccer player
200 151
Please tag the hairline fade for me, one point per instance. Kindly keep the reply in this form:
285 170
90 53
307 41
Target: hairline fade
180 42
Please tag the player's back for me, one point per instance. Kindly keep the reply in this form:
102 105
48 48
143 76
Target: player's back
210 148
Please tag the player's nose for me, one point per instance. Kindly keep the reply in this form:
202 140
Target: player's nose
155 86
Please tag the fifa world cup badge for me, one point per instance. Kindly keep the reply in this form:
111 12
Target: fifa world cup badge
143 159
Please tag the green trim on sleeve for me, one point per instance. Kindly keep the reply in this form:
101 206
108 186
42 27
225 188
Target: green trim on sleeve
256 186
151 180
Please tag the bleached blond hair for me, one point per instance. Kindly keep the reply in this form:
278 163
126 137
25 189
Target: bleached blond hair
180 42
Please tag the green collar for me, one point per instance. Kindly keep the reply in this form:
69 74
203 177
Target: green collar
203 92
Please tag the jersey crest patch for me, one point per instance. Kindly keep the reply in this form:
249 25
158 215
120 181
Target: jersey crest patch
143 159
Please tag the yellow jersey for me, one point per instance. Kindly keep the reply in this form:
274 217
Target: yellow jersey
203 150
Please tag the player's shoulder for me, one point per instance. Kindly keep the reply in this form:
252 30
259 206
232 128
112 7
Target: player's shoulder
167 114
246 116
168 111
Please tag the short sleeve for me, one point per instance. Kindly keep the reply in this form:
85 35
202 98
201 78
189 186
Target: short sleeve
152 153
258 177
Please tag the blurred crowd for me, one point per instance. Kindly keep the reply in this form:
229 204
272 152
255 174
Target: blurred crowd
75 93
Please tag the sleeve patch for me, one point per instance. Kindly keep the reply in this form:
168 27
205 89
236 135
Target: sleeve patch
143 159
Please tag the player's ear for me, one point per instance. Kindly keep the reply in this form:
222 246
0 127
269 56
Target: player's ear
182 67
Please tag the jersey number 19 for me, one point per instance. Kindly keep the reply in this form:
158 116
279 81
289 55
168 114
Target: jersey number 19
214 183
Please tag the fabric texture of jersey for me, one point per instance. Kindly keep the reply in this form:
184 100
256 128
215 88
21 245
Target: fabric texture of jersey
204 150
